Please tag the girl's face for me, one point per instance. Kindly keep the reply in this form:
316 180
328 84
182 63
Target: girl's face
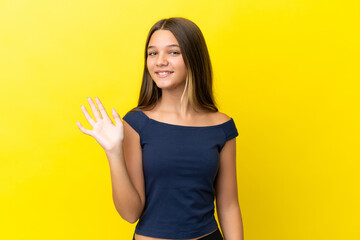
164 61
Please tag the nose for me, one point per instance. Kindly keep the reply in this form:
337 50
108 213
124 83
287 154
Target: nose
161 59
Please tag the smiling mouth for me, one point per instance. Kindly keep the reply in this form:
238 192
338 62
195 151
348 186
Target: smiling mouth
163 74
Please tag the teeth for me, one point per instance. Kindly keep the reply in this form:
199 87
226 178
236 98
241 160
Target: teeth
164 73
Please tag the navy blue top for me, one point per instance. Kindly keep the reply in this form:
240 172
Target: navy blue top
180 164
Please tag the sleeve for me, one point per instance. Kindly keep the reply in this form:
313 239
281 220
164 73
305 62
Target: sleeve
230 130
136 120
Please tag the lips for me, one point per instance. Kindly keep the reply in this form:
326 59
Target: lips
163 74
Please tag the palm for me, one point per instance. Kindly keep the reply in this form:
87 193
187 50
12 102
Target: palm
108 135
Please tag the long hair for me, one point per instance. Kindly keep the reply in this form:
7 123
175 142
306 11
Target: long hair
197 61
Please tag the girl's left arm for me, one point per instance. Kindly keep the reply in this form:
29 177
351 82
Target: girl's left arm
227 203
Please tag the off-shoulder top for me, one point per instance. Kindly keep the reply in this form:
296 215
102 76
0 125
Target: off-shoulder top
180 165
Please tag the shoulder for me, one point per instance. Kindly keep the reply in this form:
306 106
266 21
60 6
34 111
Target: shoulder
218 117
131 115
136 119
222 117
229 128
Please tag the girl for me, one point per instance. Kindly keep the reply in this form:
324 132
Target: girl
175 152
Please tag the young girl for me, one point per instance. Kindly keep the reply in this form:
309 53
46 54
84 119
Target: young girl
175 152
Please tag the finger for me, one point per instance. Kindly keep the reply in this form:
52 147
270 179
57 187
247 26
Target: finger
102 109
116 117
87 116
94 109
84 130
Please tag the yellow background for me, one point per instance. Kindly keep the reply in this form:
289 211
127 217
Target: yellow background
286 71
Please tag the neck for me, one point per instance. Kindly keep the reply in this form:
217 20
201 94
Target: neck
170 102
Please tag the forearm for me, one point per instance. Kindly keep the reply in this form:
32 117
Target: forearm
231 223
126 199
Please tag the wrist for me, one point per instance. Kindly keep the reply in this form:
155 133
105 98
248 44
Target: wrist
115 151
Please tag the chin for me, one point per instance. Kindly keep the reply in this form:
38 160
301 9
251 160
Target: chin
167 84
163 83
164 86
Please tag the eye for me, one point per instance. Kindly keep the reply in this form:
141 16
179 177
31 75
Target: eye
175 52
151 53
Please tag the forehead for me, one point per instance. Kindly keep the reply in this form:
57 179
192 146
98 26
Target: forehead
162 38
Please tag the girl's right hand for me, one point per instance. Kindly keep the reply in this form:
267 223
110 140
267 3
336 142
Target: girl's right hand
108 135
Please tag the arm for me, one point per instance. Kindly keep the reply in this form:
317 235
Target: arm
122 147
127 176
227 204
125 197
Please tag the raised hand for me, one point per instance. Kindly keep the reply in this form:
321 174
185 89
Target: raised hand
108 135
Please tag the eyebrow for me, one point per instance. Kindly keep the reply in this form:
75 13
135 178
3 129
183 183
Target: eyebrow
171 45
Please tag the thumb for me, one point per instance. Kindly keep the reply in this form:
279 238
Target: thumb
116 116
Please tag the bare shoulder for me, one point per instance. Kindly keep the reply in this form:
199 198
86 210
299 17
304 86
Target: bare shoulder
218 117
223 117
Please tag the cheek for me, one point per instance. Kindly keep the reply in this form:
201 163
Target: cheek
184 70
183 66
180 65
149 66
